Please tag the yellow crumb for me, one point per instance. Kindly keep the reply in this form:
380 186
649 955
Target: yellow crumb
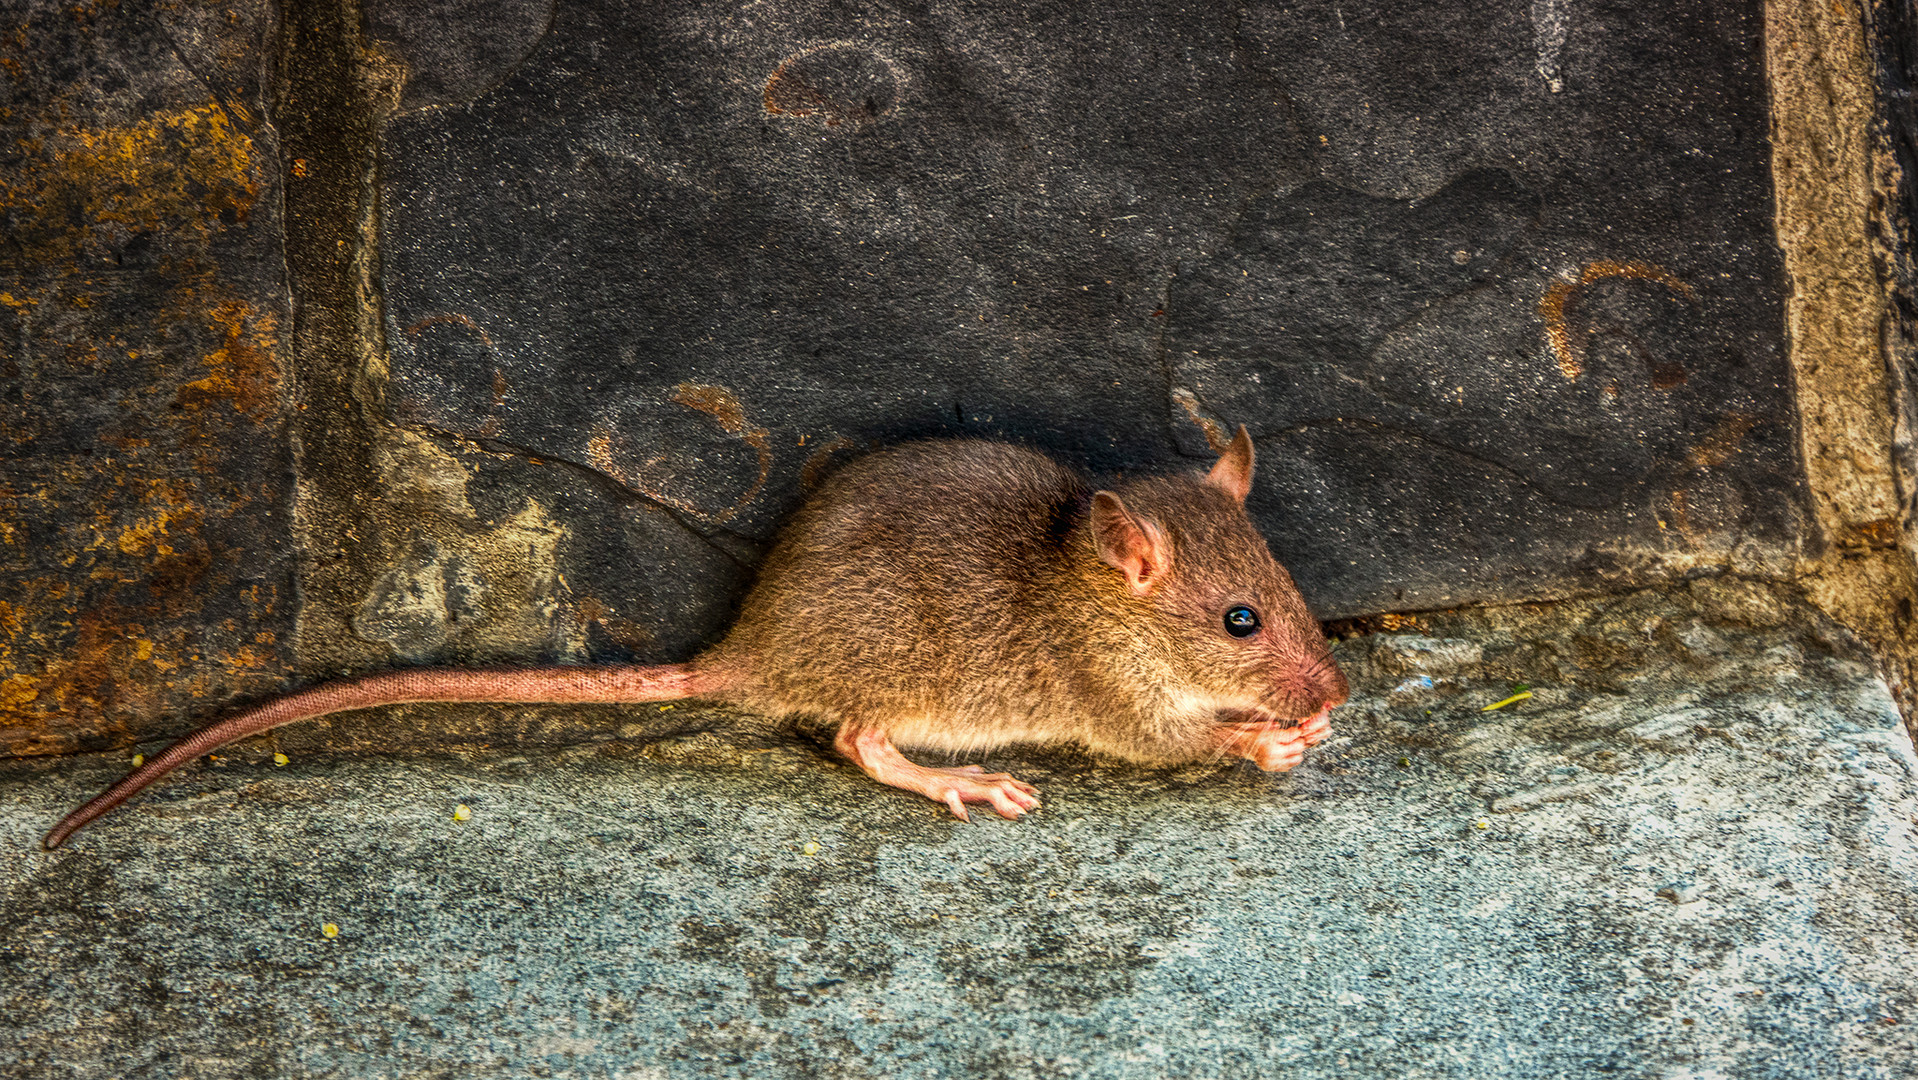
462 813
330 930
280 759
810 847
139 760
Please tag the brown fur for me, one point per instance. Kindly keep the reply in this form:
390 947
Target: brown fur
956 597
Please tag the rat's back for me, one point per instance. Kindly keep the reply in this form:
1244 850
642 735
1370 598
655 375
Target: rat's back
912 571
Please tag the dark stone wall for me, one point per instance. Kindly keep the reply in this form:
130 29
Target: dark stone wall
583 298
1493 285
145 551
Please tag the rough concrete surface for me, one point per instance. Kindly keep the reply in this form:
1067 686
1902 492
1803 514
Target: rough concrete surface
1689 854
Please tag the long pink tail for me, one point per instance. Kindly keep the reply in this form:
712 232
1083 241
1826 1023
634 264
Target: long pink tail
617 684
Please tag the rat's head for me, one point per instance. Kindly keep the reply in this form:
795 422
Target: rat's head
1242 642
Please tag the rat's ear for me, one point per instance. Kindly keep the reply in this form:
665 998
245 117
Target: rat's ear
1233 472
1131 544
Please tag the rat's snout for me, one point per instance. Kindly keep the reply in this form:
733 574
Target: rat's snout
1317 687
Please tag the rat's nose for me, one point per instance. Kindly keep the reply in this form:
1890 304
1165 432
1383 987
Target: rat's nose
1329 682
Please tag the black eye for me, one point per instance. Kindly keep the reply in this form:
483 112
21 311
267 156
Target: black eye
1241 621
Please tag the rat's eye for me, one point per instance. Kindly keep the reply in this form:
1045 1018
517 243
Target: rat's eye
1241 621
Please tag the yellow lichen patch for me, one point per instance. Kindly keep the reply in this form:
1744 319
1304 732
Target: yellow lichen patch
1555 305
75 188
164 511
145 537
17 690
129 534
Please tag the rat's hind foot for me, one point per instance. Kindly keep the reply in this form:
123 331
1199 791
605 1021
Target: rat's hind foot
872 751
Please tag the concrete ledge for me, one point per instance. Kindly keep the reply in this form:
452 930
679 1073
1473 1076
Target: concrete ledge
1693 860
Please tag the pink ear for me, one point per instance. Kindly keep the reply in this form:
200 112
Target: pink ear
1233 472
1130 543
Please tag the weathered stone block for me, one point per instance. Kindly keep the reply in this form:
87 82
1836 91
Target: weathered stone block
1495 286
144 550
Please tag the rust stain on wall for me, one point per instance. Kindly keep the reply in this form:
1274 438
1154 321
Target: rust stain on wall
1722 442
833 83
1216 436
820 461
1555 307
243 373
654 476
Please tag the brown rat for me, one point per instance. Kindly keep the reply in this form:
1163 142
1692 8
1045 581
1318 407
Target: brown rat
958 597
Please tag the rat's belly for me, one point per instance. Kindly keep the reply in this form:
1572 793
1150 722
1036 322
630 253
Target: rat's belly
980 729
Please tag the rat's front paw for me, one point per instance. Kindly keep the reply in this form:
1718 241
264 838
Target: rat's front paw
1316 728
1272 748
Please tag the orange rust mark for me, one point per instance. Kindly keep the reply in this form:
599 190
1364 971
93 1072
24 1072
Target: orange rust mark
791 91
454 319
111 670
491 427
622 630
1216 437
242 371
1880 534
780 90
599 451
789 94
720 404
725 409
1558 297
67 673
1718 447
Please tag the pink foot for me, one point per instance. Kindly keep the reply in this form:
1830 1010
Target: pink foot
1273 747
872 751
1317 727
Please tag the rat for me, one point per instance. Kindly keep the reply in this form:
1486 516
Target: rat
956 596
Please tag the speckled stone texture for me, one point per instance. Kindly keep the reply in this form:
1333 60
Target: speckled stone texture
1495 285
1689 854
